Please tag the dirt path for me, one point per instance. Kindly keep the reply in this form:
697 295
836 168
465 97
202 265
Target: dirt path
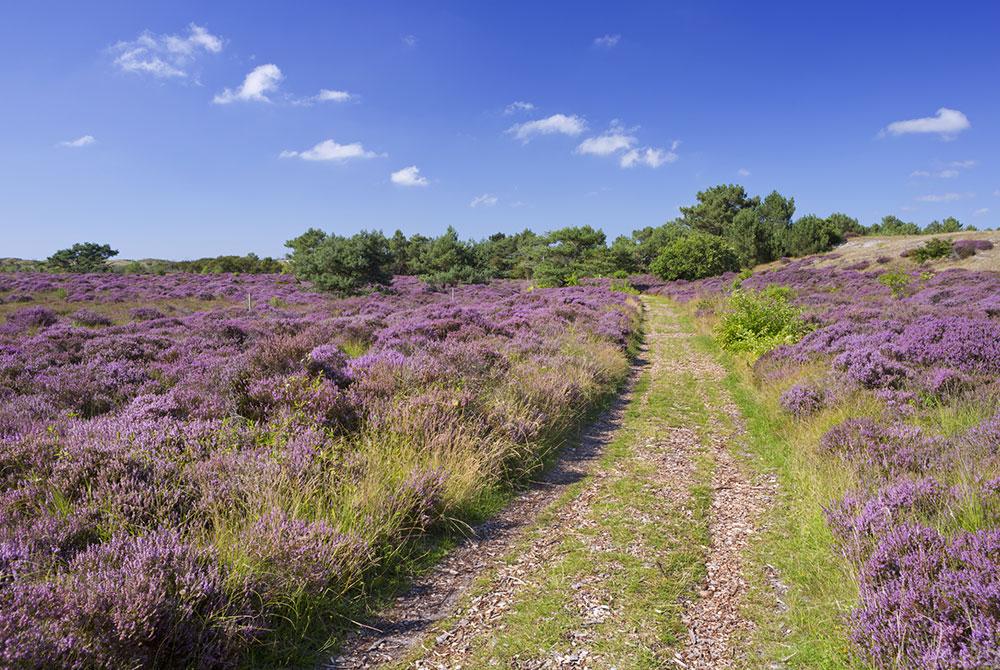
628 555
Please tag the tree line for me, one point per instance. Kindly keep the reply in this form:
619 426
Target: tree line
726 229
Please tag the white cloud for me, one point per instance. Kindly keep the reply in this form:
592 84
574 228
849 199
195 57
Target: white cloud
328 95
611 142
484 200
946 123
409 40
743 172
607 41
328 150
555 124
165 56
982 211
79 142
622 142
997 192
650 157
518 106
262 80
963 165
409 176
944 197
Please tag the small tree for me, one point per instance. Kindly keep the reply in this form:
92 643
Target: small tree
893 225
82 257
343 264
448 261
695 256
716 208
811 235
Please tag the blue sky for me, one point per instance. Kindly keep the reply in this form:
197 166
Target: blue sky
210 132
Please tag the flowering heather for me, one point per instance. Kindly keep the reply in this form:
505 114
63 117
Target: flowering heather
801 401
920 526
189 477
928 601
882 449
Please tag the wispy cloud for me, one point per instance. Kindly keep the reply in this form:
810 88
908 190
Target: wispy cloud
556 124
484 200
518 106
952 170
944 197
329 150
165 56
408 176
615 140
607 41
947 123
262 80
982 211
329 95
743 172
942 174
650 156
84 141
409 40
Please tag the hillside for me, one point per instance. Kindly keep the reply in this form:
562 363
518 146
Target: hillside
871 248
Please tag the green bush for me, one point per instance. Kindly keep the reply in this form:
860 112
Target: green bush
932 248
755 322
811 235
695 256
897 281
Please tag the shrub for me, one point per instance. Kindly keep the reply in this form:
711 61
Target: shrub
928 601
757 322
931 249
86 317
896 281
967 248
801 401
811 235
695 256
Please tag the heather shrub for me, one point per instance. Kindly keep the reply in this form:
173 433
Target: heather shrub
871 368
145 313
755 322
928 601
884 450
225 487
151 602
801 401
31 317
860 519
967 248
86 317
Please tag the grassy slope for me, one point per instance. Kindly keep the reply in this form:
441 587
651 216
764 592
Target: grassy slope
869 248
